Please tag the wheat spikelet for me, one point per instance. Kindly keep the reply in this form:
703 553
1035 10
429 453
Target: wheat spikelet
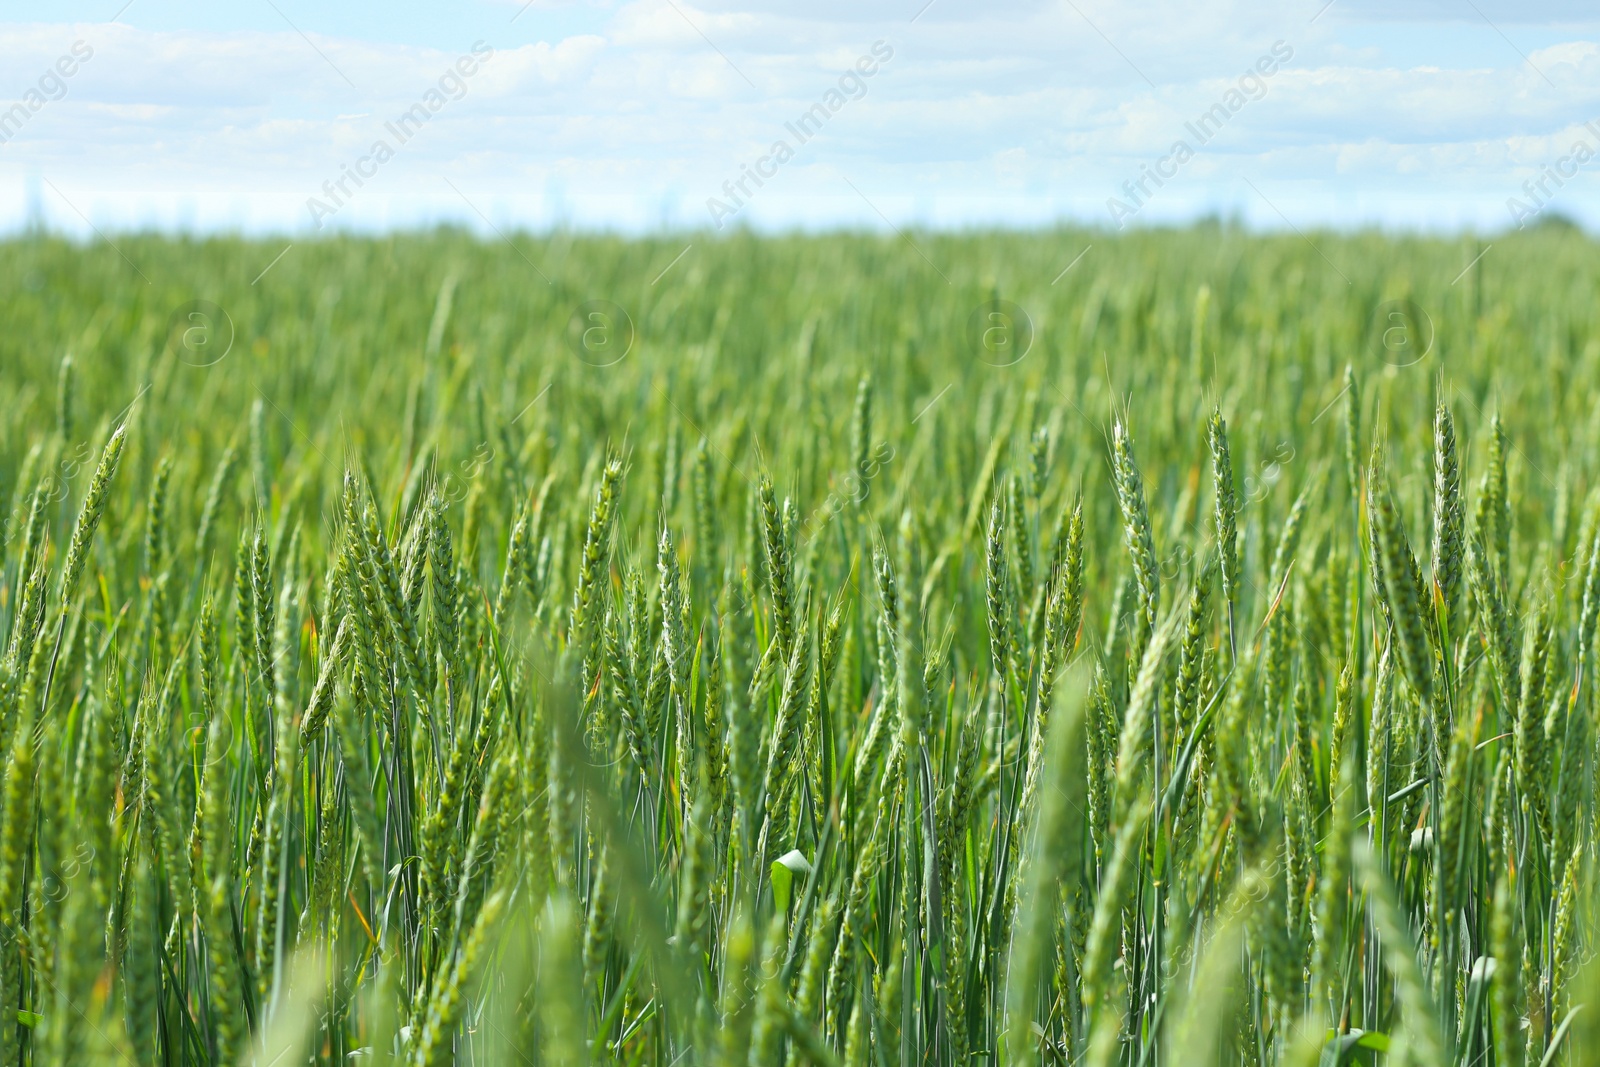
1136 533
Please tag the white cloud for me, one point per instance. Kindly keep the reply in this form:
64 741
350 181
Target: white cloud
1019 109
567 61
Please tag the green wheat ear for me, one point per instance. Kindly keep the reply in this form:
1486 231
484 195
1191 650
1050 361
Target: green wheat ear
861 428
94 506
64 398
1136 533
1227 510
1399 590
1448 545
1352 430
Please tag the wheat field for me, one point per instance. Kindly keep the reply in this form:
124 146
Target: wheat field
841 649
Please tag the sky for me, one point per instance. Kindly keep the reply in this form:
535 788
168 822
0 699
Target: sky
296 117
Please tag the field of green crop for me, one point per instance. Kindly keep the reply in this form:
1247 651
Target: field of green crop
1055 648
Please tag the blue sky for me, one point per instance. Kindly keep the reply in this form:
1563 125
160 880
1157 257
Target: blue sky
637 116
